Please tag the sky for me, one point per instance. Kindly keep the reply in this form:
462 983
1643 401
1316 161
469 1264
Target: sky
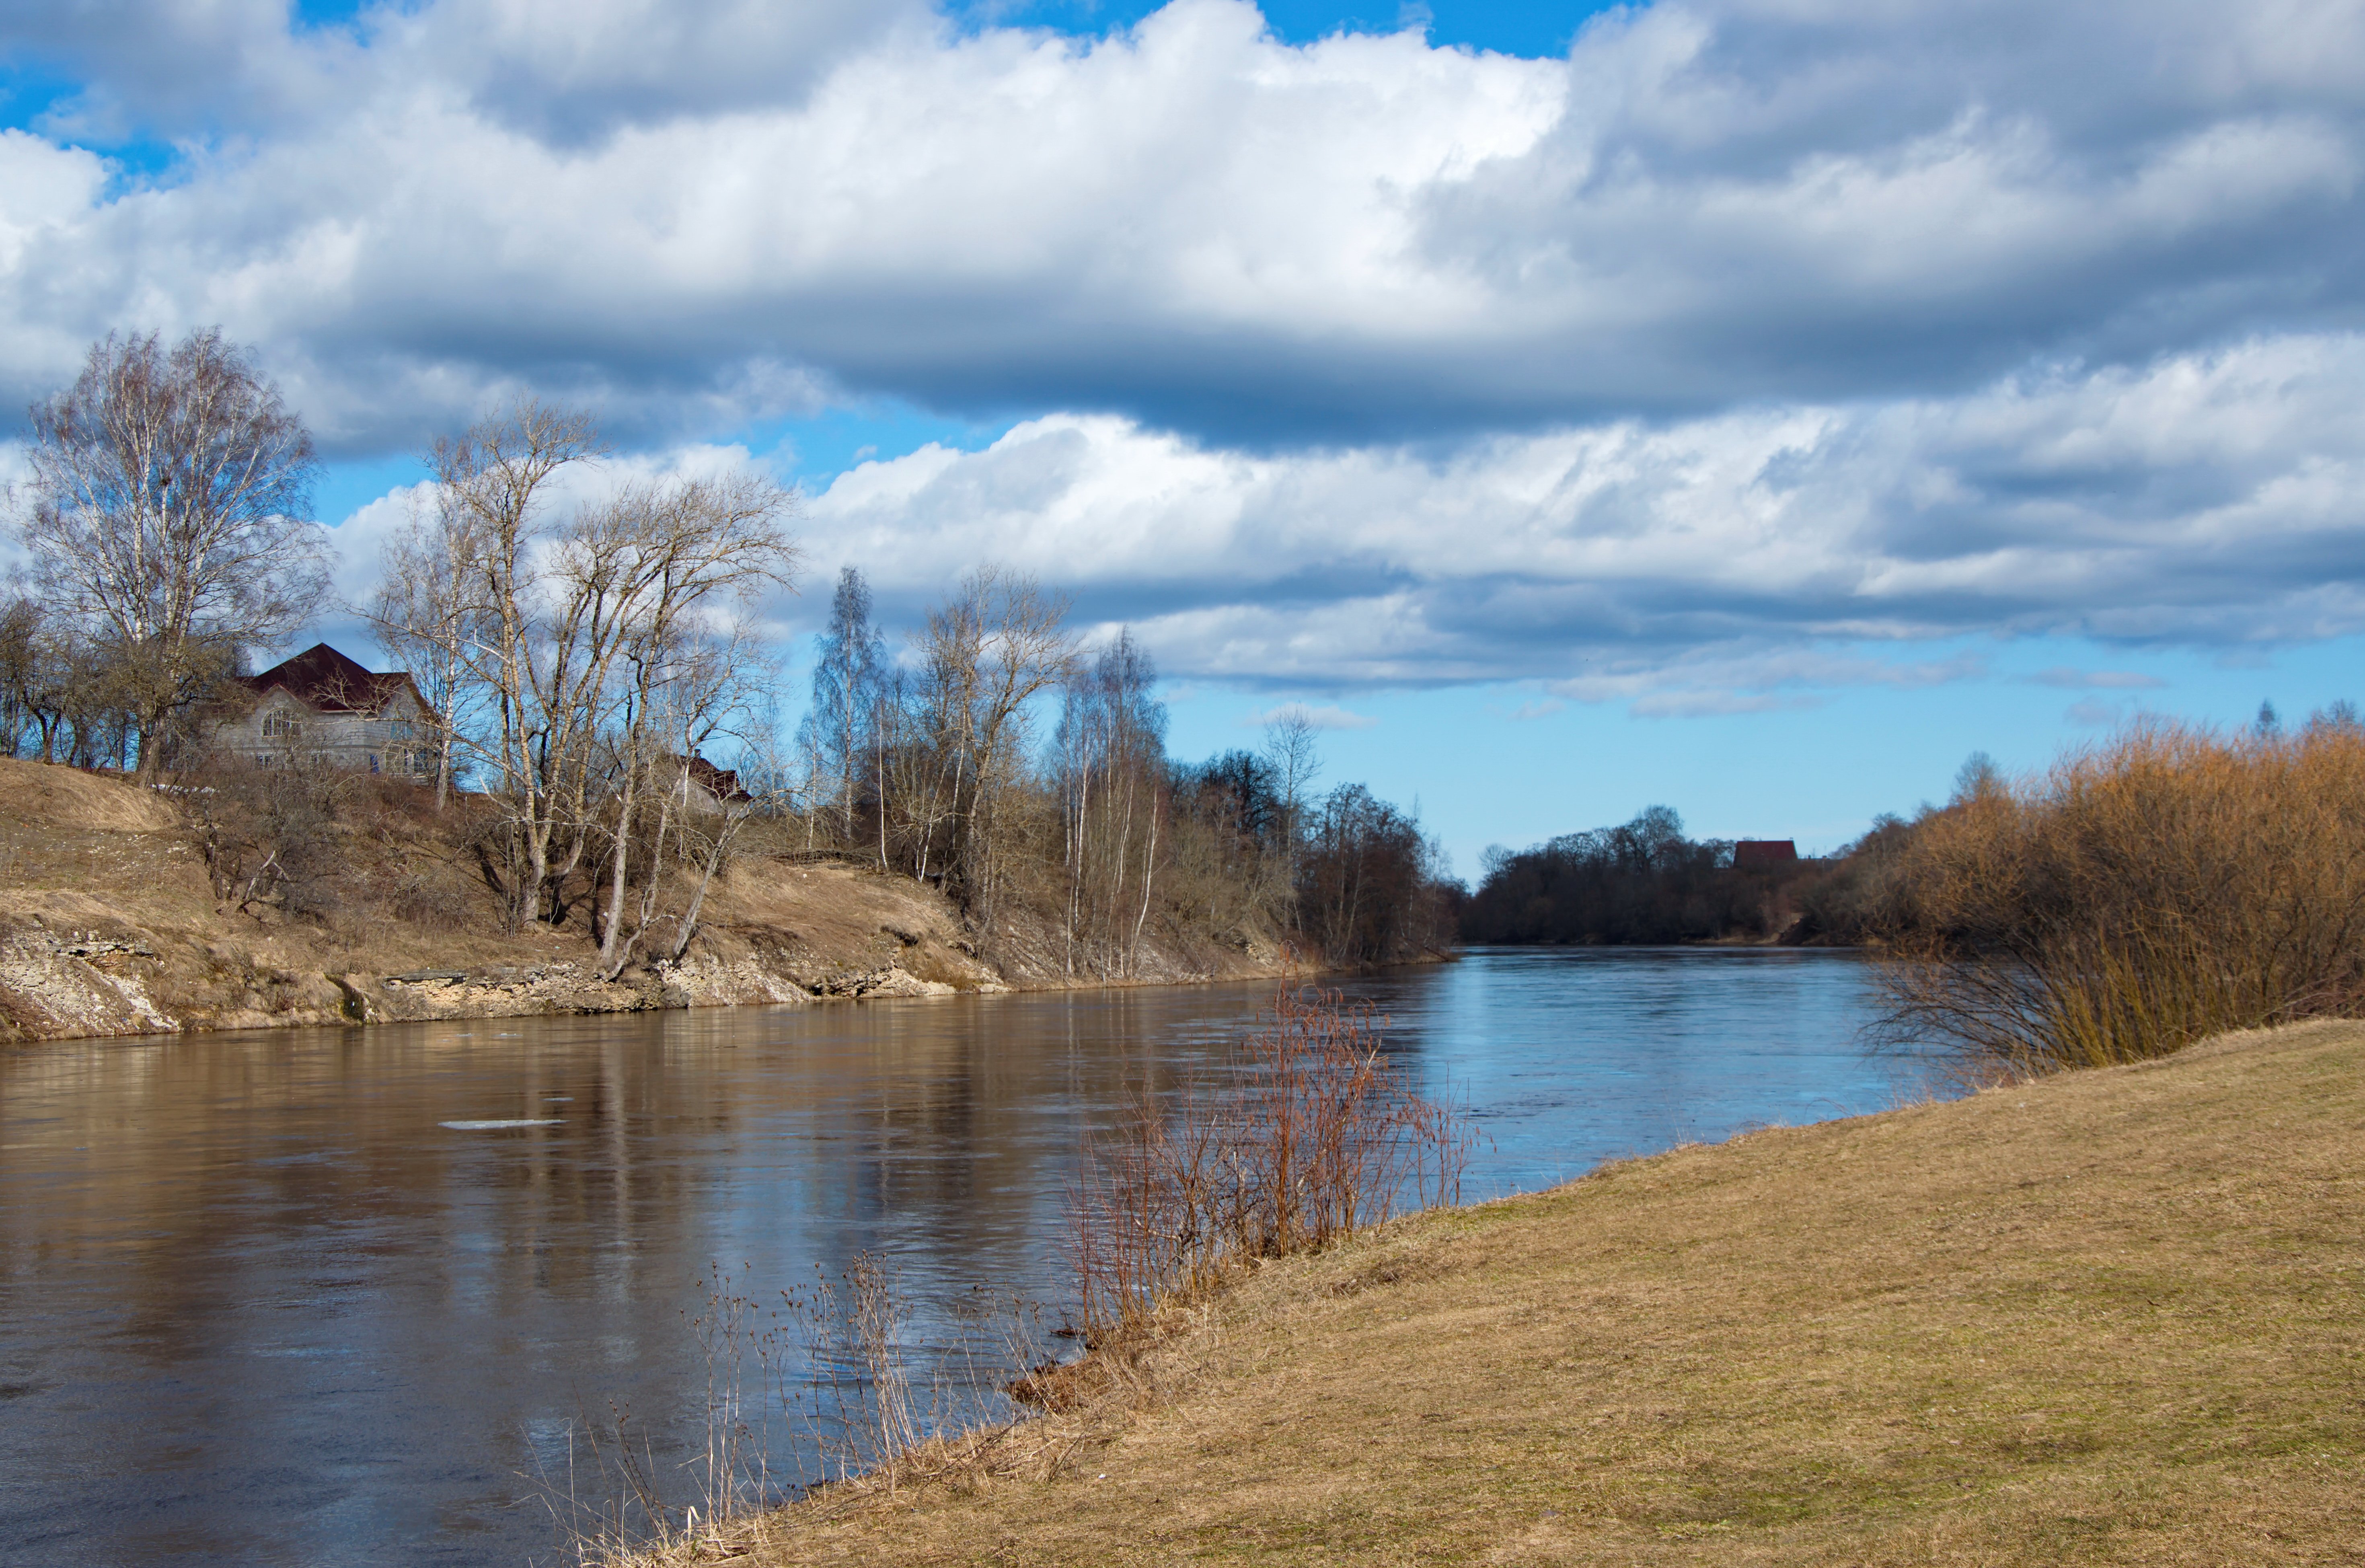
1750 406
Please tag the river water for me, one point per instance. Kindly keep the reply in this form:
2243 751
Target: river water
345 1295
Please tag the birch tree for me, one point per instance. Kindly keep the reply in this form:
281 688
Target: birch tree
997 644
1290 750
590 634
652 564
426 618
1111 745
494 485
169 518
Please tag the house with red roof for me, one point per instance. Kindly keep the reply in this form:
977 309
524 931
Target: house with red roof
1763 854
322 709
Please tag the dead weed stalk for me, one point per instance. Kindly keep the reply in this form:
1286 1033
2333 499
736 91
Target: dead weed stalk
821 1372
1313 1133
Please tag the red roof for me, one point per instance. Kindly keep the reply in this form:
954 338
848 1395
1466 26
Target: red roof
1748 853
722 783
328 683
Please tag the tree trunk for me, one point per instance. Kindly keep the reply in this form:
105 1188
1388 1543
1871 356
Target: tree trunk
612 953
1148 872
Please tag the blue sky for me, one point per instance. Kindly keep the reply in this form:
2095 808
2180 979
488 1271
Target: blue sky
1743 407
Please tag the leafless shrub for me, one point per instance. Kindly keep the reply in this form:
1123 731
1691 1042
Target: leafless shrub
269 837
2172 884
417 902
1314 1132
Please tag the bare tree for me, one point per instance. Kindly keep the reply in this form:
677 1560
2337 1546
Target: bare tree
652 564
169 499
20 675
591 642
1290 750
1111 762
426 617
720 694
991 649
493 484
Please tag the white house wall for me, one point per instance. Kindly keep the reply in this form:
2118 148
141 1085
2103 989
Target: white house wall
379 744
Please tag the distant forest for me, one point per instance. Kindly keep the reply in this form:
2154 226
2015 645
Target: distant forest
2173 882
1645 883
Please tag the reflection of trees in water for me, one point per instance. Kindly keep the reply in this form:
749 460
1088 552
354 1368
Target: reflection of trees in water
970 1119
259 1260
933 1130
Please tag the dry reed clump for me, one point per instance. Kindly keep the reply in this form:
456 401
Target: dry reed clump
1314 1132
2174 883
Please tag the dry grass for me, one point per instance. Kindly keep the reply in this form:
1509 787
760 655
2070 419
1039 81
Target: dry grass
63 798
92 856
2104 1317
65 831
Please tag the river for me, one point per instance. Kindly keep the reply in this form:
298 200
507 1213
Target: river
347 1296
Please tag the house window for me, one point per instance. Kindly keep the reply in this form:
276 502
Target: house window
280 725
400 729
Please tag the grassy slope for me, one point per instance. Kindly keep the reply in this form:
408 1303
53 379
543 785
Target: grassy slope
2111 1316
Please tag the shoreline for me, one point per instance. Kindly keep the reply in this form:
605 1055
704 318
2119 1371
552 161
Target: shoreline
97 973
2105 1315
112 925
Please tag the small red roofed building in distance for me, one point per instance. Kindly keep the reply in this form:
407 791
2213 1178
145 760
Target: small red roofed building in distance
1763 854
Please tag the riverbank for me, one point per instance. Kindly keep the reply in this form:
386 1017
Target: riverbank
2110 1316
110 924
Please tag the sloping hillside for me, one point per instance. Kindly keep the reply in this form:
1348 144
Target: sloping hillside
111 923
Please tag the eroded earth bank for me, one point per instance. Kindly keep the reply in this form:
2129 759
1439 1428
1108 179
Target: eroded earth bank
115 920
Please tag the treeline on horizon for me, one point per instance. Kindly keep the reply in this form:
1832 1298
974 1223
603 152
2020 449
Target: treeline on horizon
2171 883
1645 883
583 659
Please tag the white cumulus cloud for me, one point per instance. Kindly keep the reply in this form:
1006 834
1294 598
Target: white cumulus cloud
1750 330
697 215
2210 497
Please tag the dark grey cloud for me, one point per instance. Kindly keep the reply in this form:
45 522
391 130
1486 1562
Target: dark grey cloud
569 72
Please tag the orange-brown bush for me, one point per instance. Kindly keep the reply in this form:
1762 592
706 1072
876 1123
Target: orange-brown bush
1314 1132
2171 884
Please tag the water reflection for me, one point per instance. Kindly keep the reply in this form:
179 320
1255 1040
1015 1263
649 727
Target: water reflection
331 1293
